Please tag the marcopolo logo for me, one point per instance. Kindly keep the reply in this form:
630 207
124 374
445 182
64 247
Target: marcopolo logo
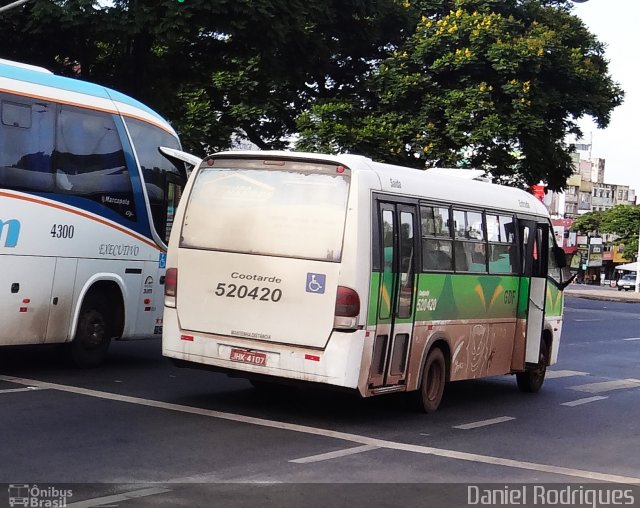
9 232
38 497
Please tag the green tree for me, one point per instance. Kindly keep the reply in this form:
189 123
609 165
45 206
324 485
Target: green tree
492 84
264 62
588 223
213 67
622 221
495 84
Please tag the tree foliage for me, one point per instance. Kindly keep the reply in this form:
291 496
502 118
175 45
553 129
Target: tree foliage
491 84
588 222
622 221
495 84
213 67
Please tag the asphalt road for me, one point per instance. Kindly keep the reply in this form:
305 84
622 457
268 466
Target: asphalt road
139 432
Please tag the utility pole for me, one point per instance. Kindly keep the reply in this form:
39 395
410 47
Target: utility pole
17 3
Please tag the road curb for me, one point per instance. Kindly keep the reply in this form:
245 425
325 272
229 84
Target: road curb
603 295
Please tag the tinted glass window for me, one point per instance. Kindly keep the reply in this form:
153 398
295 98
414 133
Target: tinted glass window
146 140
502 252
460 223
470 254
26 144
388 227
406 264
16 115
553 268
499 228
174 193
468 225
89 160
294 213
502 258
436 243
435 221
475 231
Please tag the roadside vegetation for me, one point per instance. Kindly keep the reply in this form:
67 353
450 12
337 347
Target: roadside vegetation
491 84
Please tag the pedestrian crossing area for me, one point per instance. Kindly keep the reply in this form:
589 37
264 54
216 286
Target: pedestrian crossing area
575 384
586 383
608 386
554 374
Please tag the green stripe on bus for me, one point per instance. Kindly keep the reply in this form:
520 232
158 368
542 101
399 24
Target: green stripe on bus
455 296
554 301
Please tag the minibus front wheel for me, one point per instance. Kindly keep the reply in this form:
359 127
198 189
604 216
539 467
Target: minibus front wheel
530 381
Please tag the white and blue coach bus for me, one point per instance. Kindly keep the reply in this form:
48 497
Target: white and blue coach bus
86 208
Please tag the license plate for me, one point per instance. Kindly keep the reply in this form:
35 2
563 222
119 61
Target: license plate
242 356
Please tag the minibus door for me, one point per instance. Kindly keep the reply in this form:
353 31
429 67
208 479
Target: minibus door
395 313
534 237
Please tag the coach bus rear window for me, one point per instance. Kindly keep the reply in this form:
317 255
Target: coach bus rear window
273 211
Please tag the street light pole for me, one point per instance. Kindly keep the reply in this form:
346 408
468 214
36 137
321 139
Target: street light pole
17 3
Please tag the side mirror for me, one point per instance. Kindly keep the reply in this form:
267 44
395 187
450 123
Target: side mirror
561 258
178 156
567 277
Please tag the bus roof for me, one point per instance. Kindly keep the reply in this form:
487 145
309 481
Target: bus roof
39 83
24 66
423 183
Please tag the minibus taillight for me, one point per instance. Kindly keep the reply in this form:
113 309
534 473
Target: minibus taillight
347 309
347 302
170 286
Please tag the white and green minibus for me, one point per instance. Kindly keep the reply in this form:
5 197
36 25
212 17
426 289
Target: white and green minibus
334 269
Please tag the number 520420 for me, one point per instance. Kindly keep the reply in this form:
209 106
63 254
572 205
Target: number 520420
263 294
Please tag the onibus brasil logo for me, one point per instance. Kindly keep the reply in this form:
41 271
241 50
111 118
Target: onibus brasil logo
23 494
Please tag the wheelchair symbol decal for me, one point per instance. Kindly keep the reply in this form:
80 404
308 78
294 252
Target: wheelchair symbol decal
316 283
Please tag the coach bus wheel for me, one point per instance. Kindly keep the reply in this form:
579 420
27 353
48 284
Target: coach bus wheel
530 381
92 339
433 381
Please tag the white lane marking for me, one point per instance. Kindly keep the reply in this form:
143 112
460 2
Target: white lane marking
586 400
15 390
334 455
607 386
583 320
632 338
118 498
484 423
214 477
355 438
553 374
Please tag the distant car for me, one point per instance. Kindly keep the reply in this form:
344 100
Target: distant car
627 282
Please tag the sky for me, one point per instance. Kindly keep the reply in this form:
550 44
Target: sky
616 23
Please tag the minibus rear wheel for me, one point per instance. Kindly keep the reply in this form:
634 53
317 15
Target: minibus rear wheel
434 377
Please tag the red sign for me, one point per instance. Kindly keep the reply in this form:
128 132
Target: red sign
538 191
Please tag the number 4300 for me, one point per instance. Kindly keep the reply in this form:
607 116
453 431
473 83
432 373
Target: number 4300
62 231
